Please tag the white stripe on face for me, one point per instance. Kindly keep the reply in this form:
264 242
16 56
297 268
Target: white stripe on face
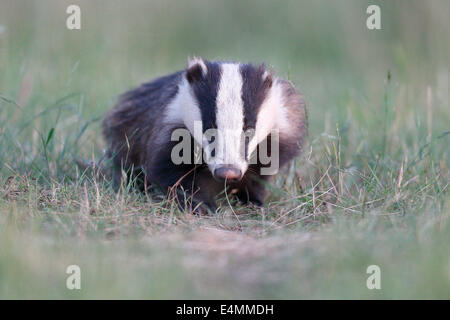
229 118
184 109
271 116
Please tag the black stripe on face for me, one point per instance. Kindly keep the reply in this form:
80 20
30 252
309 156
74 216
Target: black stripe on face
254 91
205 89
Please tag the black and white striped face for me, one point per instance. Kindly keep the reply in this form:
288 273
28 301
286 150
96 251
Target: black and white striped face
229 108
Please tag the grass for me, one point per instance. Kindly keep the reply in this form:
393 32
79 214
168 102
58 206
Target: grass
372 186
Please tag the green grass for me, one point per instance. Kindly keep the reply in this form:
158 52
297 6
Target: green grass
372 186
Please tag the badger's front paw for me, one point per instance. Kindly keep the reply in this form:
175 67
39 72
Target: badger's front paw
250 198
201 209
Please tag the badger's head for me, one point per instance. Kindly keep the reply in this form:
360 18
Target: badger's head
229 108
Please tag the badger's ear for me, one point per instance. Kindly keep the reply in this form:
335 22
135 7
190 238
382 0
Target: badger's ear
196 69
267 77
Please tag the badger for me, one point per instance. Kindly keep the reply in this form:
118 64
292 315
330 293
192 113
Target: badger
233 113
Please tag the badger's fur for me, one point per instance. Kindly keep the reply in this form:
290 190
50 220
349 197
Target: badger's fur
227 96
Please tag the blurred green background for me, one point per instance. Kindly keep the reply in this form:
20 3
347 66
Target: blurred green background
56 84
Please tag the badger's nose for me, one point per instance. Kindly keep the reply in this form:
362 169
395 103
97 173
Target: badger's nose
228 173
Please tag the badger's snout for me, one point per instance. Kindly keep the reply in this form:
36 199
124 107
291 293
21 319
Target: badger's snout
228 173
